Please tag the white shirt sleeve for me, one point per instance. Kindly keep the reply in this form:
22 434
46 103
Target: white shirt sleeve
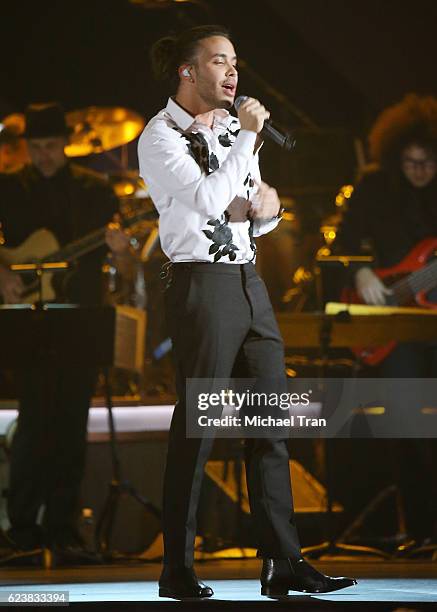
261 226
264 226
163 156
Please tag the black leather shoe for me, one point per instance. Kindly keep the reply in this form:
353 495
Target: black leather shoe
69 549
27 552
74 555
278 576
182 583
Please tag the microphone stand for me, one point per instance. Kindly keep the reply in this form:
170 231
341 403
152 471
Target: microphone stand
332 546
118 486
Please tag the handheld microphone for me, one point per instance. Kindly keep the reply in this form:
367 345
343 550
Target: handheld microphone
283 139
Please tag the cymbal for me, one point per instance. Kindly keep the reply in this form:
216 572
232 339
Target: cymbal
15 123
15 155
96 129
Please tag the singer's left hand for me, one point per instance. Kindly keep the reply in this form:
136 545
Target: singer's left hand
265 202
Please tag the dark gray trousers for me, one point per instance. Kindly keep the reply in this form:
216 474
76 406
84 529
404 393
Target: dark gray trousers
220 318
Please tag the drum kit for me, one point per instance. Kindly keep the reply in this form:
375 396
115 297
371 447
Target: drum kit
103 138
104 133
100 131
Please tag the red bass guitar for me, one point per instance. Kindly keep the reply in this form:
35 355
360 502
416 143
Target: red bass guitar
411 280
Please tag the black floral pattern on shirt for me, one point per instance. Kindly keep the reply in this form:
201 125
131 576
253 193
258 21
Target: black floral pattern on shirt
252 240
213 162
248 183
198 149
221 234
221 237
228 138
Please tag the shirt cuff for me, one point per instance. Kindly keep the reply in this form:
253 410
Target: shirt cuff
245 142
264 226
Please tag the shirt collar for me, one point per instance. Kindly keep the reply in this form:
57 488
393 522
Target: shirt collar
184 120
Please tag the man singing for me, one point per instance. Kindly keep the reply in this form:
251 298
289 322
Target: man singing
201 165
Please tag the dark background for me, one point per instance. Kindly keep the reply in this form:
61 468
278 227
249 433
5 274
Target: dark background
337 62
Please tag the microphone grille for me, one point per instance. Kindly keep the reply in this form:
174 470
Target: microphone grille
239 101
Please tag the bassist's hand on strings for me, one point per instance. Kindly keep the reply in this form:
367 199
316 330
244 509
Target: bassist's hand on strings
370 288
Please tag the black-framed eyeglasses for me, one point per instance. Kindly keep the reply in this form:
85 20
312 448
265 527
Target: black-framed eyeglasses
428 163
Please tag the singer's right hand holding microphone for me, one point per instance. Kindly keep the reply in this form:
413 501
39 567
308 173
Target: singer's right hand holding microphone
252 115
265 202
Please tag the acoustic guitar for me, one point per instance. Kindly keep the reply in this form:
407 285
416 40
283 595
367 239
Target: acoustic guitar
42 247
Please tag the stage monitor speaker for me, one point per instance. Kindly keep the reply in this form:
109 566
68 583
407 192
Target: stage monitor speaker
224 486
224 519
130 334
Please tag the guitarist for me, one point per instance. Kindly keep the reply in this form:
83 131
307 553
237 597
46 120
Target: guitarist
48 451
392 209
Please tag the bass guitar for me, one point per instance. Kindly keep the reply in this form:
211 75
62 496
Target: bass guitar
411 281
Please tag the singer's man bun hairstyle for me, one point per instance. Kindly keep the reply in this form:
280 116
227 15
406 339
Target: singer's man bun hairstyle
170 52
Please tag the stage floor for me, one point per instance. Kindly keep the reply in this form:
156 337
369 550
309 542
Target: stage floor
381 585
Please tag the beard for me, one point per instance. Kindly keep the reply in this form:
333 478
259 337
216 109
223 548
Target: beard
213 99
226 104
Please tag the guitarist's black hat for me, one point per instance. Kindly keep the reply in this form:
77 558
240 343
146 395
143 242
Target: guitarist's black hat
45 120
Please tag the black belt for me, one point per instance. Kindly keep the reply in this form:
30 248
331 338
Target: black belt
205 266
